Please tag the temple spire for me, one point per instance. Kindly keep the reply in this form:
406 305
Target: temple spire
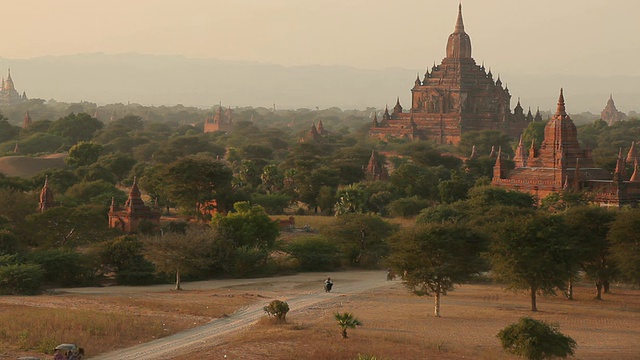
398 108
635 177
632 155
46 196
561 109
459 22
459 43
473 153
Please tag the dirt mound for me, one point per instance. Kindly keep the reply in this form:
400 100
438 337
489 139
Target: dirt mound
23 166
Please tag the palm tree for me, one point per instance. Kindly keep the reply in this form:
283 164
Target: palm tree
346 320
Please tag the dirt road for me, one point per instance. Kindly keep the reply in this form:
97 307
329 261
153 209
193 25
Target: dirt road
299 291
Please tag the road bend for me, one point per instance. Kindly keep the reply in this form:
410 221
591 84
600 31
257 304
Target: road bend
215 332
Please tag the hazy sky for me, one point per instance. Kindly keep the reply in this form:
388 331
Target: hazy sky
527 36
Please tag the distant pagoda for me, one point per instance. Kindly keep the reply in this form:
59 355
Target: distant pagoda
8 93
610 113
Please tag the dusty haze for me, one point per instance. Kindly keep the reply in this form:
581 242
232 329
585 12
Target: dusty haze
517 39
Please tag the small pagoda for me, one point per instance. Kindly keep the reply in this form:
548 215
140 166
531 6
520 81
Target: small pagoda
134 212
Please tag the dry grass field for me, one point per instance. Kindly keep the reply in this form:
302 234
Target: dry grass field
33 325
397 325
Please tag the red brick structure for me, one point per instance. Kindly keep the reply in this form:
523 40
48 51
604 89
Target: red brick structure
313 135
221 121
46 196
134 212
560 164
455 97
375 170
26 122
610 113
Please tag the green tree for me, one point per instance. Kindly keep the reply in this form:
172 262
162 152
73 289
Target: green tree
59 180
124 257
346 321
271 178
39 143
119 164
10 243
7 131
97 192
351 199
588 226
272 203
533 133
180 254
19 279
415 180
83 154
16 205
535 340
455 189
624 236
192 181
483 198
247 226
407 207
314 253
532 253
361 237
76 127
63 267
310 183
68 227
435 257
483 141
425 154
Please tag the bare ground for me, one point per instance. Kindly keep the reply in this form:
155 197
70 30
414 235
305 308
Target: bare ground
397 325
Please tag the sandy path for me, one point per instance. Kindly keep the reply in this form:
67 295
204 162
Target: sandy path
299 291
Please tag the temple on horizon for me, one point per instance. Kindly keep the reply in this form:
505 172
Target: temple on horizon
8 93
455 97
610 113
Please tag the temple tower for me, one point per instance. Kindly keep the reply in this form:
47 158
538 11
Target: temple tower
454 97
610 113
46 197
134 212
26 121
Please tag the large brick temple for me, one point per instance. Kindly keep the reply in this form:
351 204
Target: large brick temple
560 164
455 97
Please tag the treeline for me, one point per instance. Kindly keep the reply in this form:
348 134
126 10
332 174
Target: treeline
261 162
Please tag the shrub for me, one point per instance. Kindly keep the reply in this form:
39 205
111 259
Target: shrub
272 203
346 321
249 261
9 243
63 267
314 253
19 279
407 207
177 227
535 340
278 309
123 256
362 238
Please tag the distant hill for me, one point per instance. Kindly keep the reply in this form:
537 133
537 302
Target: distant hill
170 80
22 166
